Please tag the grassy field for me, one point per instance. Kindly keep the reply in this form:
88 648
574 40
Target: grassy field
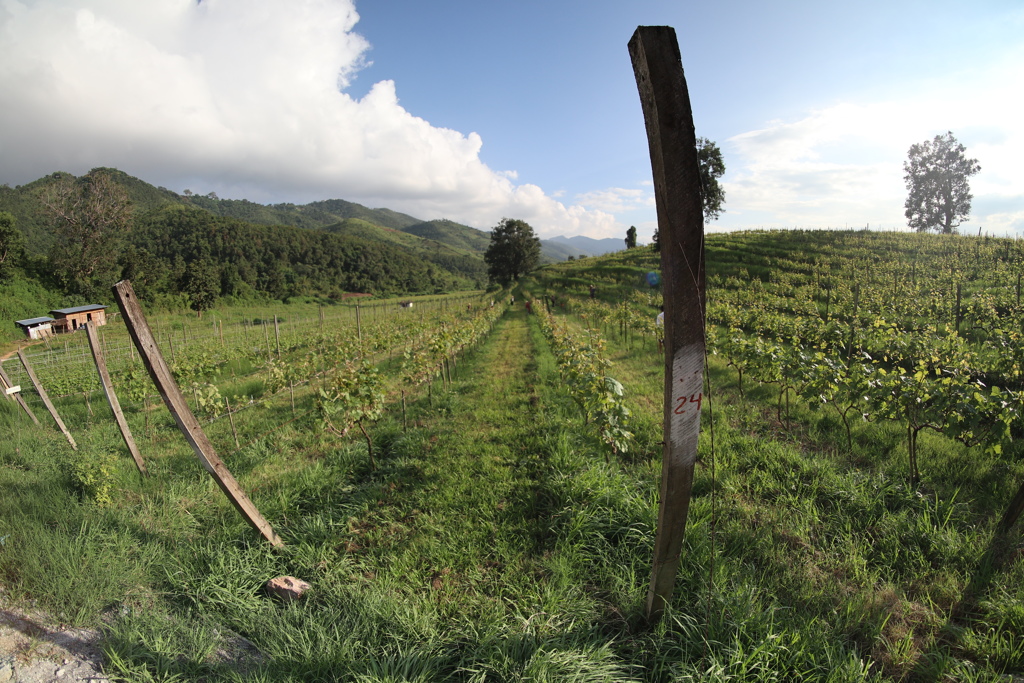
498 539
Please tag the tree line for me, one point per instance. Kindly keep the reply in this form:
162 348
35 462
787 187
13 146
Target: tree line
182 254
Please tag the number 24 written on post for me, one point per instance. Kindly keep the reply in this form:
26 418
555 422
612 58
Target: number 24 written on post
683 401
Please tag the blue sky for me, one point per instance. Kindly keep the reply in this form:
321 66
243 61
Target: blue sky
475 110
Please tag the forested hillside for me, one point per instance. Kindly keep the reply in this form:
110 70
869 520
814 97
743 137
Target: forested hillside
193 250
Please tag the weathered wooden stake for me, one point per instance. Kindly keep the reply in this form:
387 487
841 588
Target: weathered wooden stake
658 68
266 337
135 320
7 384
46 399
108 389
277 336
359 330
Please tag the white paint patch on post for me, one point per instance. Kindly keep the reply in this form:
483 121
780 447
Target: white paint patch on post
688 378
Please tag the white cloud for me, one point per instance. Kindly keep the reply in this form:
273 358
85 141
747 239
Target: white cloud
241 97
844 163
617 199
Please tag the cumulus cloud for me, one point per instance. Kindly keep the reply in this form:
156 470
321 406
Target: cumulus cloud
242 97
845 162
617 199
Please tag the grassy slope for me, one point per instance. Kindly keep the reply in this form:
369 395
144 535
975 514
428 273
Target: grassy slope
494 543
830 545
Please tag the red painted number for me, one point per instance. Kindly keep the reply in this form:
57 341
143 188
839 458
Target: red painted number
682 401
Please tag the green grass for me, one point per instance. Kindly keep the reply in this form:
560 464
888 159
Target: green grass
494 541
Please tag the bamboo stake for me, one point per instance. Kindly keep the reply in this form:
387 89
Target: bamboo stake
231 419
186 421
115 405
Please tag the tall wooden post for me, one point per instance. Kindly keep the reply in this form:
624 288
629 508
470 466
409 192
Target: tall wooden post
46 399
135 320
673 146
359 328
108 389
277 336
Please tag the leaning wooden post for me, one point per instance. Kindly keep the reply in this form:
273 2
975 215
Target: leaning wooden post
108 389
15 396
135 320
666 104
46 399
1013 510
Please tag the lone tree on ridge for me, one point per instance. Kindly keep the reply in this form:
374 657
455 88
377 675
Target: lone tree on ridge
712 196
514 250
631 237
712 167
939 195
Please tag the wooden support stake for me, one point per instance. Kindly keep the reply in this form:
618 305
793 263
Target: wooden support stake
277 337
359 331
108 389
187 423
658 68
46 399
7 384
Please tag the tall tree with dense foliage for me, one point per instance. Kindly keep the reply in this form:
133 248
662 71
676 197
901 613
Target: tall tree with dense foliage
12 244
939 195
631 237
91 216
202 284
514 250
712 167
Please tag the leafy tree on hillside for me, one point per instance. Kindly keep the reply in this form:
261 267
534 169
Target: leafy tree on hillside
202 284
91 216
631 237
936 173
12 244
712 167
514 250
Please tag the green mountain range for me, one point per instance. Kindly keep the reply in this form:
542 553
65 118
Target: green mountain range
196 249
319 249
